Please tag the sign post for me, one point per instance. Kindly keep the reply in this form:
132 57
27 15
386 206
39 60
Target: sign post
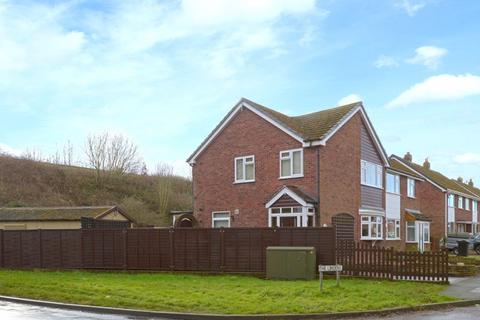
329 268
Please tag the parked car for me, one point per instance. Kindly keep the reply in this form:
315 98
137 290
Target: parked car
453 238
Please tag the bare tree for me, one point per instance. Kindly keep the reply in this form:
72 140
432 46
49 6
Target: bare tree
122 155
164 173
33 154
67 153
96 152
116 154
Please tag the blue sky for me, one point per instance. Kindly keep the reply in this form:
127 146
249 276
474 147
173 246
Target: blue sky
164 73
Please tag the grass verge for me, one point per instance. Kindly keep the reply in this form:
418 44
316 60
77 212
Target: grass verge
225 294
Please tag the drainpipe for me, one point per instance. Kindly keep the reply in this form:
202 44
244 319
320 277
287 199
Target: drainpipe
318 184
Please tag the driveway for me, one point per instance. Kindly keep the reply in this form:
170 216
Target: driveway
464 288
467 313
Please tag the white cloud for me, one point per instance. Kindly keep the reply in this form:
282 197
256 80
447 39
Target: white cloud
410 7
437 88
428 56
4 148
351 98
468 157
385 61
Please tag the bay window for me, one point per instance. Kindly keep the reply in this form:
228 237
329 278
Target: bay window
393 183
371 227
291 163
371 174
393 229
291 217
245 169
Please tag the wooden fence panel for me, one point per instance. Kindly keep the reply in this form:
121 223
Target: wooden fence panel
361 259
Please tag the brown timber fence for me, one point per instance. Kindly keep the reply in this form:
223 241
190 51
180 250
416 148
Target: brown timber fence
207 250
363 260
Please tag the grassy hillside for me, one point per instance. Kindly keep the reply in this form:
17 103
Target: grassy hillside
30 183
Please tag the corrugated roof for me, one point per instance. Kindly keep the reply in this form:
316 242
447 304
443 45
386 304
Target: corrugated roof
52 213
435 176
311 126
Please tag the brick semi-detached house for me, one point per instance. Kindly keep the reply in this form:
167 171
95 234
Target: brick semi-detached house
450 205
261 168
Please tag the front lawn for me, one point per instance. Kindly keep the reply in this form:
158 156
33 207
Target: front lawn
215 294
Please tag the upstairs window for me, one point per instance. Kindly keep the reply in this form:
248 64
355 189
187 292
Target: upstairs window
460 202
467 204
474 206
393 183
371 174
451 200
291 163
245 169
410 188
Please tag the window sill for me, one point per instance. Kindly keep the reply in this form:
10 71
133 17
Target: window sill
394 193
393 239
291 177
365 238
409 197
371 186
246 181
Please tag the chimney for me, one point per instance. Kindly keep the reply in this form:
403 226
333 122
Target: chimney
408 157
460 179
470 183
426 164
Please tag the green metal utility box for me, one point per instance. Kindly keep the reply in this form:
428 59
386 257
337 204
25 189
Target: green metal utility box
291 263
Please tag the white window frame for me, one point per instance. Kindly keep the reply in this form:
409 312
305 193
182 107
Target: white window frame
415 225
411 188
364 166
290 157
451 201
396 186
302 216
370 222
221 219
396 225
460 202
467 204
244 163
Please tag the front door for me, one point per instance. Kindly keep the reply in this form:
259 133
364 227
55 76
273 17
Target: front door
421 235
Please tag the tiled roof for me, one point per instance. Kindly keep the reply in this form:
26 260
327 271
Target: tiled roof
311 126
399 167
472 189
52 213
302 194
435 176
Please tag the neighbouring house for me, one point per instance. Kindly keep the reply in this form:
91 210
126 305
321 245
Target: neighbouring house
262 168
63 218
449 203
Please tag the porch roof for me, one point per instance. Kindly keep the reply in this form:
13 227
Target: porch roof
417 215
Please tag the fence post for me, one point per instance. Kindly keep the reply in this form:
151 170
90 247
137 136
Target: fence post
172 249
40 243
125 248
222 250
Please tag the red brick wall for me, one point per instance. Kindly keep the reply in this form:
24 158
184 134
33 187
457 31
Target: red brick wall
213 173
433 206
462 214
340 174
